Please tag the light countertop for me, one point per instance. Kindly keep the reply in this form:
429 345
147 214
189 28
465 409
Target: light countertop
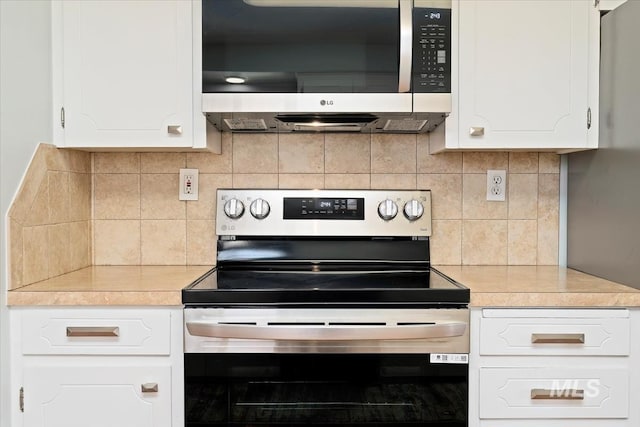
111 285
491 286
539 286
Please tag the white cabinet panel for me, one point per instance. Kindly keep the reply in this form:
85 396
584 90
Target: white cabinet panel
123 72
56 331
554 393
97 395
526 71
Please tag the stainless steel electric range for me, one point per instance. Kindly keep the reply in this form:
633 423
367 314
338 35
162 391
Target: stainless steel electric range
324 309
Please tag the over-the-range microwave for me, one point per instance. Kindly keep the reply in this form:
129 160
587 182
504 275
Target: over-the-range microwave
326 65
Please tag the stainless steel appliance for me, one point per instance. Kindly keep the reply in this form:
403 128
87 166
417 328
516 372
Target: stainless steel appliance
323 65
603 196
323 309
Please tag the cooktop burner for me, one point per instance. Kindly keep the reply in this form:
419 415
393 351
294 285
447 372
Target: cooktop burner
239 287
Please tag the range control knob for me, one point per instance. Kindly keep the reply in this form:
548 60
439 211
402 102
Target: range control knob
387 209
413 210
259 208
233 208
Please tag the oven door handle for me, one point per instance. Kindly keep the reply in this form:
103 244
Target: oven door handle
327 333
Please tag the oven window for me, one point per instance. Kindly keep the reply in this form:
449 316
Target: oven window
323 389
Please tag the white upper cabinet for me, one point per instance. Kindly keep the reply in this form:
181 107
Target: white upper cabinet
527 76
124 75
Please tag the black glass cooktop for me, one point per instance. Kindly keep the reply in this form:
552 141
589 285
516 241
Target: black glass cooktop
334 285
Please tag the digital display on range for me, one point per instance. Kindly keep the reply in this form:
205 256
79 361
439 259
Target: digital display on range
323 208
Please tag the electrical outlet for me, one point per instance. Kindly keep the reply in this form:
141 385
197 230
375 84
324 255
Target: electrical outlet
188 184
496 185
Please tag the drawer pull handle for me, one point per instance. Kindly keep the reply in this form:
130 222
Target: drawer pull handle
476 131
557 338
150 387
552 394
93 331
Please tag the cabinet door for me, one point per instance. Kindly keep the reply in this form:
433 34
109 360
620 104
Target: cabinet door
125 71
97 395
524 74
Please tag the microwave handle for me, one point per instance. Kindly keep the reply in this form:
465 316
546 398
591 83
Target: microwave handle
406 38
327 333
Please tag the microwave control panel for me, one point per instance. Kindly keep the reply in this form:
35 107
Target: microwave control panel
431 50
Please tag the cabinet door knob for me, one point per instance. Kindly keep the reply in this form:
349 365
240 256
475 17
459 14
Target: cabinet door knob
150 387
476 131
174 129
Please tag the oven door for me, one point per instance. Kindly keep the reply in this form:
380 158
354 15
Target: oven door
329 367
325 389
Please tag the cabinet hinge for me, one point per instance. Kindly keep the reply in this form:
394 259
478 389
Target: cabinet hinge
596 3
21 399
62 117
589 118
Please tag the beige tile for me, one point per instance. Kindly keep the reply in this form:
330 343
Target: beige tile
205 206
255 180
201 242
79 161
522 162
480 162
58 196
393 181
301 153
36 174
38 214
446 194
80 244
255 153
347 181
79 196
164 242
549 163
159 197
346 153
35 257
301 180
162 162
523 242
57 159
523 195
474 199
116 242
116 162
116 196
446 242
15 246
211 162
448 162
484 242
59 249
548 218
393 153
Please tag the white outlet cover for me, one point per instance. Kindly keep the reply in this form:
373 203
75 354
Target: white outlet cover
192 176
496 185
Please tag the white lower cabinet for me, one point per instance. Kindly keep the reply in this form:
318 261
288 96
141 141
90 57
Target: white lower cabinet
560 367
99 367
101 393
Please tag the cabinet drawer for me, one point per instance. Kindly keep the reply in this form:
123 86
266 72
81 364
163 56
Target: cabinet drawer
101 331
550 334
553 393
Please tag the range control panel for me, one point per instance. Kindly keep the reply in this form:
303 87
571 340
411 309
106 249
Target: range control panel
263 212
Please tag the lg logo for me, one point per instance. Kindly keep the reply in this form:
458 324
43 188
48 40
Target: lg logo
324 102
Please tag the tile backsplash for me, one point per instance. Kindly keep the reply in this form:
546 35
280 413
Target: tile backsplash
138 218
121 208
